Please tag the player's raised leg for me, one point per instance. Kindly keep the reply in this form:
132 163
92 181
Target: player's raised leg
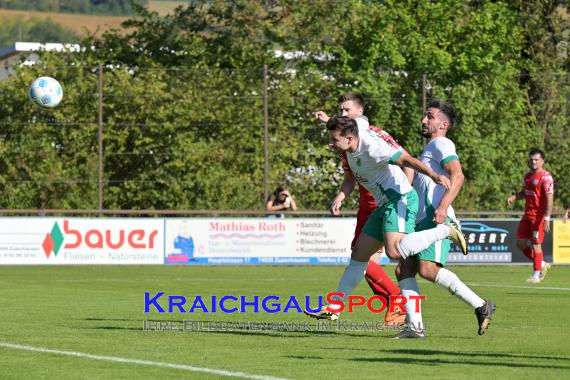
366 246
414 243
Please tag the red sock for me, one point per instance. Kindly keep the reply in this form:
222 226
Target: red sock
378 291
376 275
528 252
538 256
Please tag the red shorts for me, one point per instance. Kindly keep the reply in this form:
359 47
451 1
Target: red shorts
361 219
366 206
533 231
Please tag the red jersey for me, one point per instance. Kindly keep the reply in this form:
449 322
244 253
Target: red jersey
536 186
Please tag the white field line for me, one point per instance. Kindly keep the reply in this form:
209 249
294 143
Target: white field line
139 362
498 285
535 287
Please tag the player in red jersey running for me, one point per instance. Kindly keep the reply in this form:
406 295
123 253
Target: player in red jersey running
538 193
352 105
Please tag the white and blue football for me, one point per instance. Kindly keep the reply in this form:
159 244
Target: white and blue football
46 92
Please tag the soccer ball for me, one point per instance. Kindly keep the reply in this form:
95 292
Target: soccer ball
46 92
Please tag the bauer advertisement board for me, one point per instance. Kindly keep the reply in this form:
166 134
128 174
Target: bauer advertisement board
231 241
53 241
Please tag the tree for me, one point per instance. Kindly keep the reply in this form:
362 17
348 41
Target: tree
544 80
183 101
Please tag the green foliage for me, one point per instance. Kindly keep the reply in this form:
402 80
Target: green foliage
184 105
48 161
13 29
545 83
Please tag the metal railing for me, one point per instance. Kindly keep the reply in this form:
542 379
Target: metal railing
217 213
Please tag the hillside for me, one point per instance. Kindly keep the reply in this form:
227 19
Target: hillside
164 7
78 23
74 22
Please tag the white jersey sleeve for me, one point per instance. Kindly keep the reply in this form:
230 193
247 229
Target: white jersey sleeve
444 151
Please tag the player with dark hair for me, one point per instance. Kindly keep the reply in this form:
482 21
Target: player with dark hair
538 193
376 164
352 105
434 208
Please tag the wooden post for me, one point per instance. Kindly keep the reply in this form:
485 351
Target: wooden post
265 134
100 138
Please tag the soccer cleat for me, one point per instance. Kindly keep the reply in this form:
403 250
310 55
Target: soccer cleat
456 236
534 280
484 315
409 334
322 314
396 317
544 270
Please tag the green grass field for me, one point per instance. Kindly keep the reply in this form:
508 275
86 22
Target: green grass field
86 322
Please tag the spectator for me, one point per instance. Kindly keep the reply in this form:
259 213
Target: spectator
281 200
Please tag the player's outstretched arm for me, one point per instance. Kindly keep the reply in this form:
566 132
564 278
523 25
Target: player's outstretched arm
456 178
405 160
346 189
322 116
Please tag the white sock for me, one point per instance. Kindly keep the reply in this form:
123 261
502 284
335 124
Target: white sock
416 242
409 287
536 274
451 282
353 274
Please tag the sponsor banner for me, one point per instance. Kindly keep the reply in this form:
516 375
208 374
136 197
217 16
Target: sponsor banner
493 241
561 246
55 241
259 241
233 241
